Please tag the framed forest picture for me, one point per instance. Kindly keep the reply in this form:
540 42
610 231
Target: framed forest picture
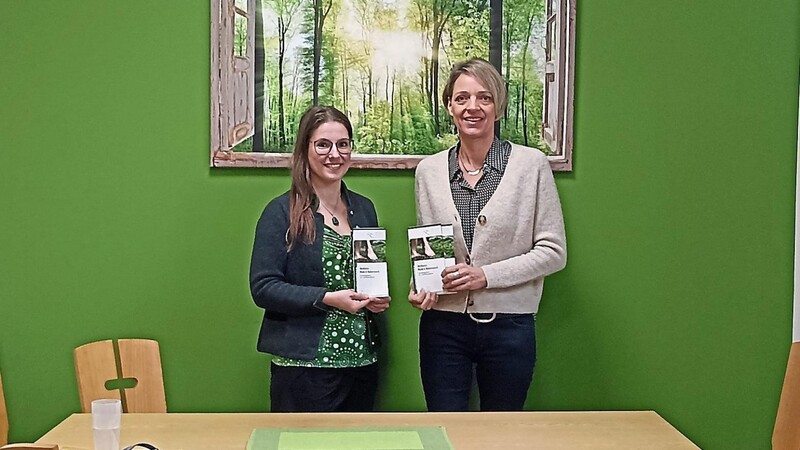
384 64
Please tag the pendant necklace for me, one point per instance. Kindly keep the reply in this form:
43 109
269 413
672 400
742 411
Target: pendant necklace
471 172
334 220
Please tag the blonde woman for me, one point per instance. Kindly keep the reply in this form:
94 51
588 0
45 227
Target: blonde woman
509 234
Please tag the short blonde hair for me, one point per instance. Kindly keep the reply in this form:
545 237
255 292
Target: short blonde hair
483 71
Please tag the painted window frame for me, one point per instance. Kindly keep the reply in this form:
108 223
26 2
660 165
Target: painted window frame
232 77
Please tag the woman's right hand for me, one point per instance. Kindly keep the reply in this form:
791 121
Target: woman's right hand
346 300
423 300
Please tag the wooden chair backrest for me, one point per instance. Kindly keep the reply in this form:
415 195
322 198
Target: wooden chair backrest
4 445
786 434
3 416
140 359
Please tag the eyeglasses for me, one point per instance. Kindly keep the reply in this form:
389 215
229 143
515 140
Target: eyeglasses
324 146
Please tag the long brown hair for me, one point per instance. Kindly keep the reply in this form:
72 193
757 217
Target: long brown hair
301 195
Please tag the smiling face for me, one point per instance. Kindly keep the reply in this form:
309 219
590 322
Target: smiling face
472 108
330 167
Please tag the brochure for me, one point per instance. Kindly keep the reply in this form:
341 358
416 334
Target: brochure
370 271
432 249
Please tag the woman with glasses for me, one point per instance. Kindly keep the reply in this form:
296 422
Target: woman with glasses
321 333
509 234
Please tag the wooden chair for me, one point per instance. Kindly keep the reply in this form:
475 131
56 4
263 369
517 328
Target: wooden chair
4 445
786 434
98 363
3 416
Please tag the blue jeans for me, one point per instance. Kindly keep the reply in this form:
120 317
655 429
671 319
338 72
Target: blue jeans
502 351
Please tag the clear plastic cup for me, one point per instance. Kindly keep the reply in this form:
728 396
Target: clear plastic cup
106 418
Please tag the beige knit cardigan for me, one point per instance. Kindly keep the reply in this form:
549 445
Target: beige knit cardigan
519 237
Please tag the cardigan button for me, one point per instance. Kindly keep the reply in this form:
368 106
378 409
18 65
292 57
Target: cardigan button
471 303
467 260
482 219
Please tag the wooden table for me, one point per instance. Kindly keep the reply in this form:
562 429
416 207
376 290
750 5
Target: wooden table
469 430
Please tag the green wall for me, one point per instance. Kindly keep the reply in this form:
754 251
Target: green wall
680 211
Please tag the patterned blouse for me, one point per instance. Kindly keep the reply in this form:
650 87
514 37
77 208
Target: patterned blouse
344 341
470 200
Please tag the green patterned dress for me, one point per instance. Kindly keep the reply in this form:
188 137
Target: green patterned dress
345 340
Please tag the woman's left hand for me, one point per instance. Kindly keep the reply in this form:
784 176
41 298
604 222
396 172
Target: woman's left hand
463 277
378 305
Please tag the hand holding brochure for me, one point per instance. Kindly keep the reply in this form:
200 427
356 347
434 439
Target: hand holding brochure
432 249
370 270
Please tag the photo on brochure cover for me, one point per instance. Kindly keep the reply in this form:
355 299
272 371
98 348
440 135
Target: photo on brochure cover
442 246
369 250
421 248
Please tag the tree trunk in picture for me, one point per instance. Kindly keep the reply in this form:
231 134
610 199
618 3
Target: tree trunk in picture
343 64
316 52
525 78
424 24
402 113
391 110
435 81
319 24
268 107
386 85
284 11
281 106
441 14
369 79
366 16
507 51
426 85
363 102
518 109
295 90
260 81
524 113
332 100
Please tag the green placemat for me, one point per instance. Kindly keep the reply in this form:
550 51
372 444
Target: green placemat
369 438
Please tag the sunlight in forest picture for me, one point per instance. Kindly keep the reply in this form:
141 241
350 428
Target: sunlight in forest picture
385 62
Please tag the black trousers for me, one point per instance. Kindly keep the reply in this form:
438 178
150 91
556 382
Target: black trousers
503 353
317 389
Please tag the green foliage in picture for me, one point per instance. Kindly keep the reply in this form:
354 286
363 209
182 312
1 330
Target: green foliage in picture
442 246
385 63
379 247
